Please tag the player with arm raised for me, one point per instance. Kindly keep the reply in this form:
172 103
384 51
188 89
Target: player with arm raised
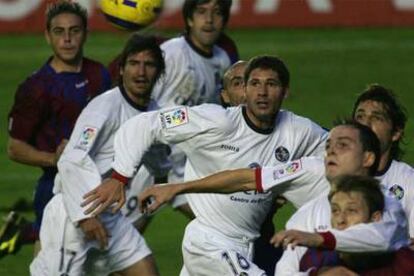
109 238
215 139
48 103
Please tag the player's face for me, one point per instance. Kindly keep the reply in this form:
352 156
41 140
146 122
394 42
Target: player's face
344 153
234 91
206 25
374 115
138 76
348 209
66 36
264 96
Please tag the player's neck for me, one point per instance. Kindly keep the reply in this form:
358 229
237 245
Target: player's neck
384 160
60 65
205 50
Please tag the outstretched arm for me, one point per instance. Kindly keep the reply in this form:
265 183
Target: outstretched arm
229 181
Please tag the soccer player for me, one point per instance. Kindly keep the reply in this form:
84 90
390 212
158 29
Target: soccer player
351 148
232 93
219 239
378 108
68 237
48 103
195 64
355 199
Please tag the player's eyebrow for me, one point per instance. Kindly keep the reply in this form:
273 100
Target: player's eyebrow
236 78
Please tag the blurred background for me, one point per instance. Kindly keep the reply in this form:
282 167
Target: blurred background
333 48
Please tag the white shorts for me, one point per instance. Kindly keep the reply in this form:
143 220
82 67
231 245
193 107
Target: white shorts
208 252
65 251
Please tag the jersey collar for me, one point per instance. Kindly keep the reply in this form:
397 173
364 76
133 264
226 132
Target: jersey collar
252 126
198 51
126 97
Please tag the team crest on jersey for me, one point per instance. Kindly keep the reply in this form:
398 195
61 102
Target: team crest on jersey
87 138
289 169
174 117
282 154
397 191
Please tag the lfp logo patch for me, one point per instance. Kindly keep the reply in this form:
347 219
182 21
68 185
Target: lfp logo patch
287 170
174 117
86 138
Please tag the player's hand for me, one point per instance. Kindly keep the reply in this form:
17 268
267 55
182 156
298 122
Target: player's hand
153 197
59 150
296 237
103 196
94 230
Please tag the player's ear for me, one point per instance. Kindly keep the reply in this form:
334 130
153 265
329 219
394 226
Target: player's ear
376 216
225 96
286 92
397 134
47 36
369 159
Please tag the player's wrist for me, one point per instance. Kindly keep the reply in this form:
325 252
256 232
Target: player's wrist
329 240
119 177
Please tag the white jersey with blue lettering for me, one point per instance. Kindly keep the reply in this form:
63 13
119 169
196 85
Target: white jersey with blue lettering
398 180
215 139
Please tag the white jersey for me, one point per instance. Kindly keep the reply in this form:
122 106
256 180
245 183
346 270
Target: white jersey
307 175
215 139
398 180
89 153
191 77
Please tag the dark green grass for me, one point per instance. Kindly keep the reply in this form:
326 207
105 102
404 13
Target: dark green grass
328 68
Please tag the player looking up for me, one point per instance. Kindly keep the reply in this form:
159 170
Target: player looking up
214 139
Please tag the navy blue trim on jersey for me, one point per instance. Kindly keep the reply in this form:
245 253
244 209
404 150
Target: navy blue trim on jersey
252 126
128 99
386 168
197 50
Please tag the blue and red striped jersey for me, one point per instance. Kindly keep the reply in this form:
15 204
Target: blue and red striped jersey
47 103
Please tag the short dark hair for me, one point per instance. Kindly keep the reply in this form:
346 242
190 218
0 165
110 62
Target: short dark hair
190 6
268 62
64 6
395 111
368 139
138 43
368 186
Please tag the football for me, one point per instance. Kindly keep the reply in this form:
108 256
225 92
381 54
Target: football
131 14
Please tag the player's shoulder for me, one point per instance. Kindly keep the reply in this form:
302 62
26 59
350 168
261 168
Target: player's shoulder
172 44
94 70
293 119
401 168
93 64
219 116
107 101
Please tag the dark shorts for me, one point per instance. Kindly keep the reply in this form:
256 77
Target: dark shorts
43 193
